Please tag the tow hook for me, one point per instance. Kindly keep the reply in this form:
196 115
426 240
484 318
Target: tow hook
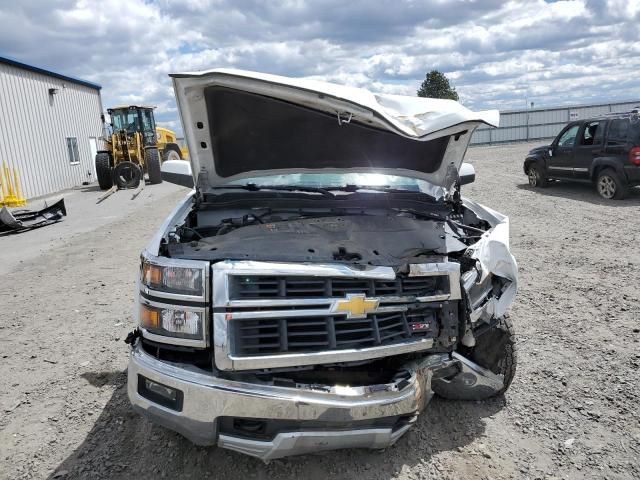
132 337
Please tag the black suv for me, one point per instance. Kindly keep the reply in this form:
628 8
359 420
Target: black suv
603 150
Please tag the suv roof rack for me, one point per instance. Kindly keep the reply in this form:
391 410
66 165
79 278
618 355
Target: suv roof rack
631 113
635 111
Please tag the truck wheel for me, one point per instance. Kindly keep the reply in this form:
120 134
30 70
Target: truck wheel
127 175
610 185
103 170
536 176
495 350
171 152
152 161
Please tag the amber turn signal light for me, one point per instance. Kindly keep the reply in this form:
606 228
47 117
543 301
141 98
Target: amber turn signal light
149 317
151 274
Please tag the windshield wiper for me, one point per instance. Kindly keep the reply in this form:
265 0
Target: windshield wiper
252 187
431 216
325 191
378 188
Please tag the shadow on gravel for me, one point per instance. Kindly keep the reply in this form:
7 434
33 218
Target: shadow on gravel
583 192
89 188
100 379
122 444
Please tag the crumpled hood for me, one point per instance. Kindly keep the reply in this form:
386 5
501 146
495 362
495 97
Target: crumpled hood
241 124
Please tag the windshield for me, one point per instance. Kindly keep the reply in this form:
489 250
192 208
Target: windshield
337 180
125 120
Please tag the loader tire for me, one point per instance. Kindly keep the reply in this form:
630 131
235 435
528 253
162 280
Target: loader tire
171 152
496 351
152 161
104 171
127 175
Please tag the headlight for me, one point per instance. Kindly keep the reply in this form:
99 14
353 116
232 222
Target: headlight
171 322
173 301
171 279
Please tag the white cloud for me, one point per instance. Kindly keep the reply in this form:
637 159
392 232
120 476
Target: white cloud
498 55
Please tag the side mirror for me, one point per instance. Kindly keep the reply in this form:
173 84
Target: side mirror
551 152
467 174
178 172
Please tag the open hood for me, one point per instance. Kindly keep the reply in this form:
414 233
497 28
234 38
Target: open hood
241 124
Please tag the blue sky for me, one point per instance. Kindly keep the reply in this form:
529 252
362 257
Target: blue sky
497 54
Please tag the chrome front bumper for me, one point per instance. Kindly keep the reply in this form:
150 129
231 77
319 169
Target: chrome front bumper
206 398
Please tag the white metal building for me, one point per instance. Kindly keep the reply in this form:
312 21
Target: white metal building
542 123
49 127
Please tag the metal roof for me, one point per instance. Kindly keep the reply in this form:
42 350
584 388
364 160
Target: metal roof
33 68
121 107
569 107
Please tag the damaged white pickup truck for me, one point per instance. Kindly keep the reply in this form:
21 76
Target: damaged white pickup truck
325 277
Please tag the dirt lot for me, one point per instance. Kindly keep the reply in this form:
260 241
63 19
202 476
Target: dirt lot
572 412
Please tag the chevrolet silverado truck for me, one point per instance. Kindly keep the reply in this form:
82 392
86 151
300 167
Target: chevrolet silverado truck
325 277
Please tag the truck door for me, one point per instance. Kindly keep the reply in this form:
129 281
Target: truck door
561 152
588 146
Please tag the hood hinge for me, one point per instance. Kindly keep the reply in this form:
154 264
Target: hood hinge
344 118
203 179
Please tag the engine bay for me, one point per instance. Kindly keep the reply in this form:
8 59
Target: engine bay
362 228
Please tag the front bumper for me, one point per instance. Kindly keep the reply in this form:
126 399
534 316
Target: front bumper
206 398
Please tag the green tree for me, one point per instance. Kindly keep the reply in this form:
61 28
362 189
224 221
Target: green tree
436 85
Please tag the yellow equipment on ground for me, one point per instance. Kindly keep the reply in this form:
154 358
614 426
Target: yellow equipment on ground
135 147
10 191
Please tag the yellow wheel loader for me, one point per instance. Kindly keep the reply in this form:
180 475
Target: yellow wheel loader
134 147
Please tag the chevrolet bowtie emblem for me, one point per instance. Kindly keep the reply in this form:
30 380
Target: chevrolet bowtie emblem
356 305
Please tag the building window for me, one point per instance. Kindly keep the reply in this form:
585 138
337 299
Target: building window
72 148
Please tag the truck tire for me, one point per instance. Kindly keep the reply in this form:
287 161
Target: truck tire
171 152
537 176
152 161
610 186
495 350
127 175
104 171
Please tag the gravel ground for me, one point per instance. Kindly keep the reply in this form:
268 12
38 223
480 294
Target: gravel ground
572 411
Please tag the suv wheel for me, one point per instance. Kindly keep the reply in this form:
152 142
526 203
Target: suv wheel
610 186
536 176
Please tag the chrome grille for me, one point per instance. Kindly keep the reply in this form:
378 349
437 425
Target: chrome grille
273 336
275 315
246 287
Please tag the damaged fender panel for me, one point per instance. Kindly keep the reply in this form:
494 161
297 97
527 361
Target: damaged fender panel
492 253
